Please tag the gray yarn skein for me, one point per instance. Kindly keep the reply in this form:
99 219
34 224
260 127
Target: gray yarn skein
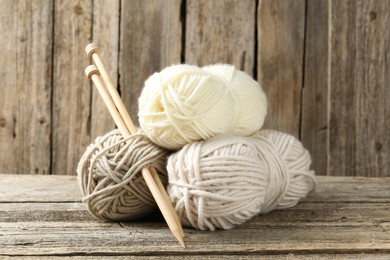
109 176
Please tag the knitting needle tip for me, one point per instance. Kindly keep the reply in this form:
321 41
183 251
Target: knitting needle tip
180 239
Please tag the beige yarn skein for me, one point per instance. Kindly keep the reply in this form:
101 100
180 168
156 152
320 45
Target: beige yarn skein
226 180
185 103
109 175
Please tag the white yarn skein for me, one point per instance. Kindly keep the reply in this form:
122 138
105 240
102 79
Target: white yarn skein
185 103
226 180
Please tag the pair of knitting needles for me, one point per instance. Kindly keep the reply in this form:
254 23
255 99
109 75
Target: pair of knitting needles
122 119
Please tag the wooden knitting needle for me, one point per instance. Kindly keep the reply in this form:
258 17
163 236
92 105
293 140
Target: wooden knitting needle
93 73
93 53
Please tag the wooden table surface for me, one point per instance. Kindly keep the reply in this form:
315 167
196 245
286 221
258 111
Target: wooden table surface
42 217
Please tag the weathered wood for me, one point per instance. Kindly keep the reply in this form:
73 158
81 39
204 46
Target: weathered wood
46 211
25 109
281 34
323 64
65 189
71 90
287 256
359 141
347 189
314 123
106 35
150 39
353 222
38 188
48 238
221 32
304 215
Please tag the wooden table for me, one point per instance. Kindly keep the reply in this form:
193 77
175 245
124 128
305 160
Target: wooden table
42 217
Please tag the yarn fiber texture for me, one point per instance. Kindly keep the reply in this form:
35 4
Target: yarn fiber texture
109 176
226 180
185 103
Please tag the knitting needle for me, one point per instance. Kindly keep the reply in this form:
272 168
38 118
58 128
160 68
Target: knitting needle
165 196
93 52
93 73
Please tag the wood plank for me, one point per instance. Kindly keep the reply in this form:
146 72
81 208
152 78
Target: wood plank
46 228
38 188
359 107
347 189
106 35
221 32
61 238
25 109
45 212
331 214
314 123
281 27
287 256
150 40
304 215
65 189
45 238
71 90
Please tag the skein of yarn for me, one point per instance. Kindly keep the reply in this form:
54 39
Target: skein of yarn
226 180
185 103
109 176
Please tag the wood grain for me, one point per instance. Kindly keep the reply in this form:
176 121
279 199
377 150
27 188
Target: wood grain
323 64
25 92
287 256
45 189
221 32
334 189
281 31
150 40
321 226
106 35
71 90
64 238
359 141
304 215
314 122
347 189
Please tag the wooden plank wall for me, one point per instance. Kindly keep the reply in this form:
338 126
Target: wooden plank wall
323 64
